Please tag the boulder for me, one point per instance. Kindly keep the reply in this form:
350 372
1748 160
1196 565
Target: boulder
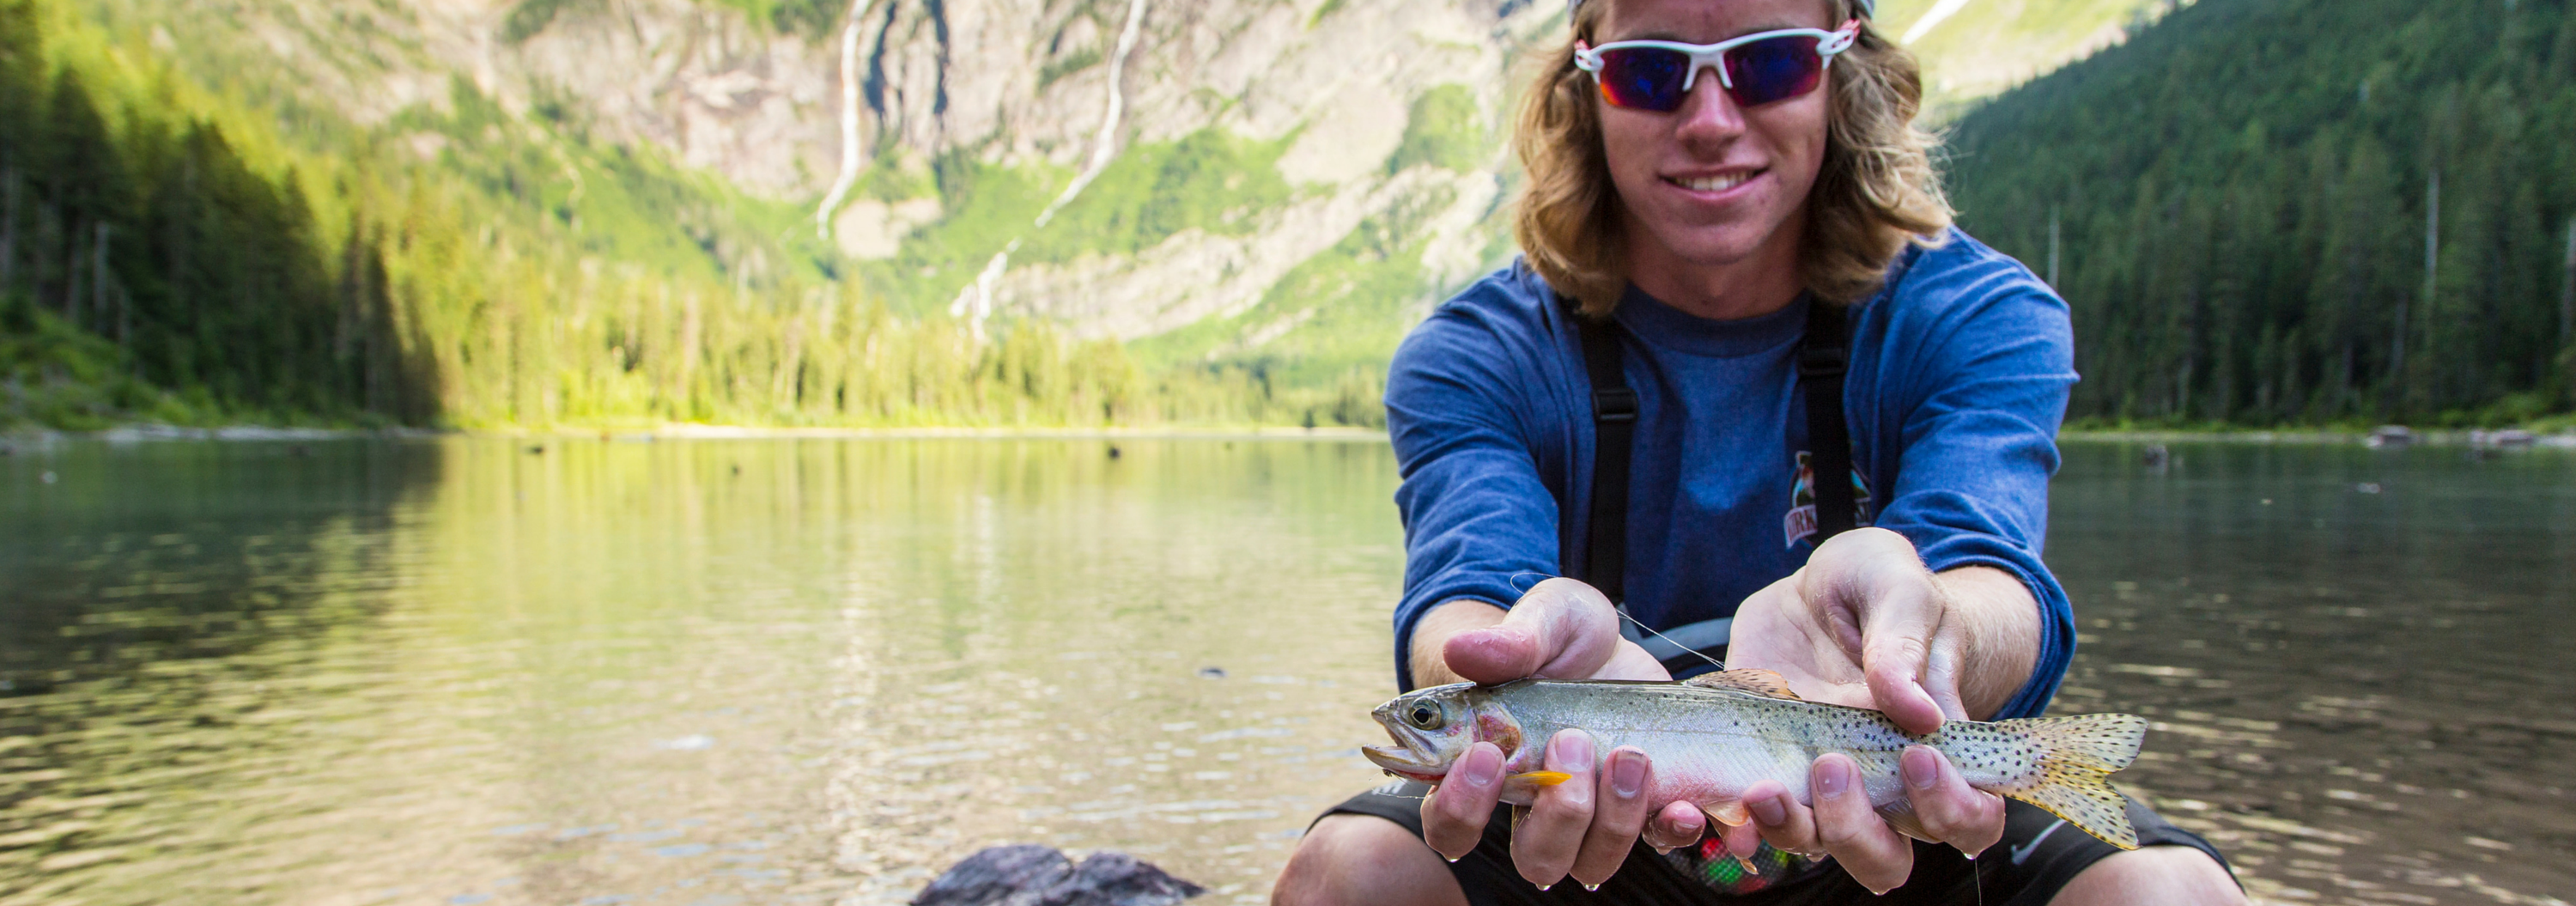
1032 875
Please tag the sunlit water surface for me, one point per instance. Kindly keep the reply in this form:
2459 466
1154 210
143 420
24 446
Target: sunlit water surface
472 671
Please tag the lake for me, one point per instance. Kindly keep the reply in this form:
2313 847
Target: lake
550 671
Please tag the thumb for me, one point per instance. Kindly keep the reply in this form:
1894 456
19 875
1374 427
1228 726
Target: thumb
1896 645
1559 628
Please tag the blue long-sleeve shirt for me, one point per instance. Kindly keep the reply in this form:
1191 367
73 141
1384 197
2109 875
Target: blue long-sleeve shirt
1960 370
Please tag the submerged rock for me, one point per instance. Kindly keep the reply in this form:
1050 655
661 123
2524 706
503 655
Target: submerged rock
1029 874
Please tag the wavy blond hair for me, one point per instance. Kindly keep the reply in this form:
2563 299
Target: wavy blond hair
1876 191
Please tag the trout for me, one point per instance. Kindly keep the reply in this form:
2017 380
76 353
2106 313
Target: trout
1715 735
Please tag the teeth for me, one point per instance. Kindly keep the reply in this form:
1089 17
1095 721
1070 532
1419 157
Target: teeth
1711 183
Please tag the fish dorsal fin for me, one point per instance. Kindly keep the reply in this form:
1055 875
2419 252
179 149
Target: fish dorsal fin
1748 680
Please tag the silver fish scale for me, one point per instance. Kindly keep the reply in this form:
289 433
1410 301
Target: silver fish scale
1718 742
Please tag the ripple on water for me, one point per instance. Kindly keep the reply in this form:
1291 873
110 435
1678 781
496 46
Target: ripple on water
623 670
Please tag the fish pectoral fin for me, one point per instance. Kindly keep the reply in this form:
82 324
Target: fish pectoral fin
1749 680
1731 813
1524 787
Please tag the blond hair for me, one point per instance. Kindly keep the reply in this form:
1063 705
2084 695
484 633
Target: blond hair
1876 191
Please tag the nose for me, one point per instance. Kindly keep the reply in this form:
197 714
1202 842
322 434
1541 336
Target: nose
1708 115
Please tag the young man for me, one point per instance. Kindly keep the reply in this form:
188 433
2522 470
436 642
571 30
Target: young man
1730 215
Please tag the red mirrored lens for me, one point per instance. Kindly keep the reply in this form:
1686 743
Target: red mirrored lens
1773 69
1644 78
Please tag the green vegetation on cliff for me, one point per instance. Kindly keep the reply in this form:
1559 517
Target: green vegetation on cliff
2302 211
171 250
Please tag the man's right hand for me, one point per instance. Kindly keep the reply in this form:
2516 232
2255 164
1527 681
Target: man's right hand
1584 827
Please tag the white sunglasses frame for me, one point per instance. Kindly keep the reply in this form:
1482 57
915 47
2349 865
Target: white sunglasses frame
1713 56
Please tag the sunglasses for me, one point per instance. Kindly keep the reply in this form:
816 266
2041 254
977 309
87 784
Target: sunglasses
1756 69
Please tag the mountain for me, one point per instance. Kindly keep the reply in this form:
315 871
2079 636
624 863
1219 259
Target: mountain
1973 49
798 211
2271 211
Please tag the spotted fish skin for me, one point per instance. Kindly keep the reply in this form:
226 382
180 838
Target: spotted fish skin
1712 738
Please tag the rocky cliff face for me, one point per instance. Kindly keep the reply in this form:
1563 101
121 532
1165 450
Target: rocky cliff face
1056 88
868 114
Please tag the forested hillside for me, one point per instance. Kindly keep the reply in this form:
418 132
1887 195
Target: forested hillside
2304 211
176 252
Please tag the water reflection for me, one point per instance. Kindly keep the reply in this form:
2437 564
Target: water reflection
804 671
2355 659
677 672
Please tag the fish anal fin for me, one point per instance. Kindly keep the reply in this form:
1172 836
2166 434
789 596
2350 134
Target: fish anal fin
1749 680
1731 813
1900 815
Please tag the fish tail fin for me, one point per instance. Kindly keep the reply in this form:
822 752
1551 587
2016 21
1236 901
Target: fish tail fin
2076 757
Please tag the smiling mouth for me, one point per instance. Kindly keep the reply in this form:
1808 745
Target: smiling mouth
1715 183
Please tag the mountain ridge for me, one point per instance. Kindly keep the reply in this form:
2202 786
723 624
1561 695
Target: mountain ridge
1283 188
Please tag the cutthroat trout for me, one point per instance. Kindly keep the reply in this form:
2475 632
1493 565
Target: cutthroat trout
1715 735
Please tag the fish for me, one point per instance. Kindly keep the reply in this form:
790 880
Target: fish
1713 736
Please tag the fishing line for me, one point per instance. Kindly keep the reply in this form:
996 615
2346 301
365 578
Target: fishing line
1515 582
1694 652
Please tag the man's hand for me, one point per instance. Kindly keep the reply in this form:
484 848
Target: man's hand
1865 624
1584 827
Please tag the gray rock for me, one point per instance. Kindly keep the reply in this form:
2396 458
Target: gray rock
1032 875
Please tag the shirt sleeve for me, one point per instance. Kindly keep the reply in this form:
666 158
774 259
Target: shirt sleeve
1479 523
1978 448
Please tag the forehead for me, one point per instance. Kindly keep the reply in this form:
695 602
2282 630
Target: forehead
1708 21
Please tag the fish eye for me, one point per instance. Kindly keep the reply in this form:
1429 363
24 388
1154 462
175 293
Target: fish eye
1423 714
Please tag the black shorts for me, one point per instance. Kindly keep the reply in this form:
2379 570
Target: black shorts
2037 856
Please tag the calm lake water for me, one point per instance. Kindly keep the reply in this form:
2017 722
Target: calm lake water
461 671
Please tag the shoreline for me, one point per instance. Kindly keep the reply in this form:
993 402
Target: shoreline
691 431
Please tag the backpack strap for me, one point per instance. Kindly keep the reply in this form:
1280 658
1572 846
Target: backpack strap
1823 356
1614 431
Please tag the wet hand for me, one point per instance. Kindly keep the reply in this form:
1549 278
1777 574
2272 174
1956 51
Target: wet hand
1842 824
1584 827
1866 624
1559 629
1863 624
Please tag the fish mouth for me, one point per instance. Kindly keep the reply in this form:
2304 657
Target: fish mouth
1395 758
1399 760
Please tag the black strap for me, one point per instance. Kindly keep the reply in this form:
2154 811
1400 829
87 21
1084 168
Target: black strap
1822 358
1614 429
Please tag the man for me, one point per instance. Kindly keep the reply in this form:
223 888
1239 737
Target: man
1737 266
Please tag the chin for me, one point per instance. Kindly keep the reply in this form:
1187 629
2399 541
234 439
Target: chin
1717 247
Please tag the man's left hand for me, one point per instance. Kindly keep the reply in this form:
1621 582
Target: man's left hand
1866 624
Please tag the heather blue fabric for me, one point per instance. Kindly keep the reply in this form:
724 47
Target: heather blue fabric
1959 376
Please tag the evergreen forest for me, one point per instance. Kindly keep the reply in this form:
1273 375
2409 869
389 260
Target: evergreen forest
2264 212
190 254
2301 211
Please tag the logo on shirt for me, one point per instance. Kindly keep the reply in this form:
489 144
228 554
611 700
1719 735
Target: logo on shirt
1800 523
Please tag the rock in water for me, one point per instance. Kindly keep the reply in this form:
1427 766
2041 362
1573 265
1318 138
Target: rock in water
1012 875
1032 875
1119 879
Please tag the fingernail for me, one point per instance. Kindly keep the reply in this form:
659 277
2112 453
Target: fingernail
1832 777
1922 769
1627 774
1768 811
1572 751
1483 766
